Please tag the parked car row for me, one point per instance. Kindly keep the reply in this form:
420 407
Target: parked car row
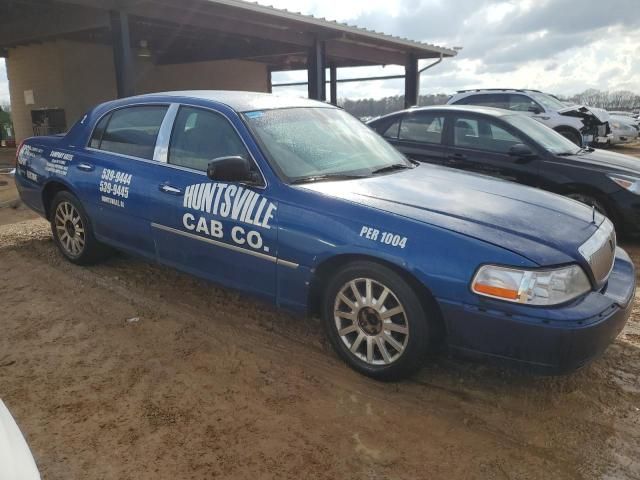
581 124
297 202
515 147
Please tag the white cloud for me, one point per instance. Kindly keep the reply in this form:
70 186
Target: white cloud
544 44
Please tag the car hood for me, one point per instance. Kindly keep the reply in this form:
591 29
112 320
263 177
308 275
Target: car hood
597 115
609 161
543 227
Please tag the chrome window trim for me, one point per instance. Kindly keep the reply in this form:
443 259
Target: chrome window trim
145 160
161 151
228 246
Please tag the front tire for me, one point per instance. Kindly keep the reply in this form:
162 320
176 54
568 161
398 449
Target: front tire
375 321
72 231
572 136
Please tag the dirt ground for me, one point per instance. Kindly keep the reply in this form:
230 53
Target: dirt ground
128 370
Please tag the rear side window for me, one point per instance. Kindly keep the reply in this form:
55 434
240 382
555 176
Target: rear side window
98 132
422 127
200 136
130 131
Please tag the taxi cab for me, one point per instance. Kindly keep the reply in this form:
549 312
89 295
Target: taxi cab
299 203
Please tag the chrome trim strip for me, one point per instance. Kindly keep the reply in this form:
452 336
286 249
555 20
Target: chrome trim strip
146 160
161 152
263 256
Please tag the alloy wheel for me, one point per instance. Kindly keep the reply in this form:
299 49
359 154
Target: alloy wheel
70 229
371 321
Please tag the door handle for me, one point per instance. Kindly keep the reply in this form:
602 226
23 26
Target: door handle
85 167
169 189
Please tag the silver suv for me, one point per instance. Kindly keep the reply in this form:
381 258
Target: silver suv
580 124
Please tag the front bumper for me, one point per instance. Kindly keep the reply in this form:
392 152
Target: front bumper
550 341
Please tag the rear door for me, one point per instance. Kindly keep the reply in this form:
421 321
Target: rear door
223 231
481 144
419 135
113 174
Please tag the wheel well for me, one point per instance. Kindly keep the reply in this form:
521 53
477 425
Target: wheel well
593 192
49 192
566 128
326 269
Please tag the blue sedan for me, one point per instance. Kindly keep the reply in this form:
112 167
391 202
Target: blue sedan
299 203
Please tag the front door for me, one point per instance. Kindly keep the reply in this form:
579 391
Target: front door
222 231
481 144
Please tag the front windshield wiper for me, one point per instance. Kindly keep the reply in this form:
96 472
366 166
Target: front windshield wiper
323 178
391 168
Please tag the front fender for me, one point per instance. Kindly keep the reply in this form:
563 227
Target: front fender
442 260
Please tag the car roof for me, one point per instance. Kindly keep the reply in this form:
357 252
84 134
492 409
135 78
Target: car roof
494 90
240 101
494 112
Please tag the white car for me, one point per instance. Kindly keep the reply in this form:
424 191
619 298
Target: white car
16 461
580 124
624 129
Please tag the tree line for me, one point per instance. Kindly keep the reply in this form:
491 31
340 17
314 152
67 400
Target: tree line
370 107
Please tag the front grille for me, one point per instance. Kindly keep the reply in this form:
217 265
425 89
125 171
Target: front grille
600 251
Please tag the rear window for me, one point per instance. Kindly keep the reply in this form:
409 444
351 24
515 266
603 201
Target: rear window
130 131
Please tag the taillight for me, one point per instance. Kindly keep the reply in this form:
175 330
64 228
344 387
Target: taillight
18 153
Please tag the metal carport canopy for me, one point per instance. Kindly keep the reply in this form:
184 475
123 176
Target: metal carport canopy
200 30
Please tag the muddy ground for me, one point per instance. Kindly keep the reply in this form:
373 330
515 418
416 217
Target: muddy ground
128 370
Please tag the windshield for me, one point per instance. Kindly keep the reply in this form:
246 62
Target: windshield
547 101
546 137
312 143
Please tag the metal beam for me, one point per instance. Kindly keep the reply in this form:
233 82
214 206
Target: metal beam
51 23
411 81
359 52
122 56
198 15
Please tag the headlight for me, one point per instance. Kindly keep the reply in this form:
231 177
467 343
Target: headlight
627 182
531 287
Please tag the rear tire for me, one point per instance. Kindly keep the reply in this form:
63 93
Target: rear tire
375 321
72 231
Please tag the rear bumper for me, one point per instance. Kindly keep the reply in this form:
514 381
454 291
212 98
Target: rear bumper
542 345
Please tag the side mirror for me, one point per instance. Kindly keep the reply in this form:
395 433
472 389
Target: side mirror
520 150
231 169
535 110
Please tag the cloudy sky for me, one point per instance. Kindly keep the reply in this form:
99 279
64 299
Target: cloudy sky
560 46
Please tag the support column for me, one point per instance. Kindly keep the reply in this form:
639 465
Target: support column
411 81
122 55
269 80
333 83
316 66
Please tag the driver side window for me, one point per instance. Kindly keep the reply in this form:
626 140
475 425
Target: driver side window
481 134
200 136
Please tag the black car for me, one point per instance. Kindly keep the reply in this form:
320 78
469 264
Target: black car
515 147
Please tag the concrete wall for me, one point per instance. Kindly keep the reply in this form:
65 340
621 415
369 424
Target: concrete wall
76 76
